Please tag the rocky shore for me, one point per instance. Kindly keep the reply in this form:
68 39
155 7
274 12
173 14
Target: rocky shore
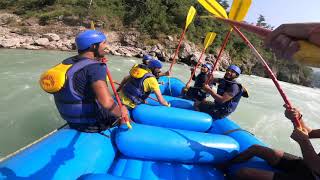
16 32
28 34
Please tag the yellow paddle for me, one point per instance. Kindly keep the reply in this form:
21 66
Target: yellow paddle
92 25
207 42
238 11
190 16
214 8
269 71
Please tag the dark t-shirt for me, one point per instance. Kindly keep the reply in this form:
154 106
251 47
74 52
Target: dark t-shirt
84 78
82 83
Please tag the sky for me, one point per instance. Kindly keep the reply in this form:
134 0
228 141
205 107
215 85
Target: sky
278 12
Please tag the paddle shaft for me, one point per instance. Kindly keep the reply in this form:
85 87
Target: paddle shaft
219 56
269 71
254 29
124 119
197 65
177 50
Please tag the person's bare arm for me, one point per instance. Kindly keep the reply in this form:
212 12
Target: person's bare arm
220 99
160 98
310 157
104 97
315 133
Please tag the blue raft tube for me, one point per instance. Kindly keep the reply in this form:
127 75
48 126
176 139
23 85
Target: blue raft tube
143 152
181 115
168 143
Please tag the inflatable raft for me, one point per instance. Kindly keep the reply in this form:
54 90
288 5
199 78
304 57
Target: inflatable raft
164 143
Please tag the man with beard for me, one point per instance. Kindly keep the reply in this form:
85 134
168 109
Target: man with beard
135 88
228 95
145 60
79 87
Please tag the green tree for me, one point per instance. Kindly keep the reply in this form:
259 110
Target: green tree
261 22
225 4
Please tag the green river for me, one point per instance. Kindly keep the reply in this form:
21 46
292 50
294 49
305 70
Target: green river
27 113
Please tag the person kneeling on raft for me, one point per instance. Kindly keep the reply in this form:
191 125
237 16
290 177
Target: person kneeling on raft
79 87
135 88
145 60
228 95
196 93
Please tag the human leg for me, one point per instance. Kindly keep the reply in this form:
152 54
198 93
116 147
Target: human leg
270 155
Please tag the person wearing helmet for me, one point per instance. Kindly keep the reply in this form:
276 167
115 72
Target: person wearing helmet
196 93
85 101
145 60
228 95
135 88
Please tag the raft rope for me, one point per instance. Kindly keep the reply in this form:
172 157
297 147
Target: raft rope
34 142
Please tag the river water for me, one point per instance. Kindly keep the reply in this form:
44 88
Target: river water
27 113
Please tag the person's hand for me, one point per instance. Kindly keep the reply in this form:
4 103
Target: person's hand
299 135
188 85
104 59
283 40
292 113
283 46
206 88
124 112
168 73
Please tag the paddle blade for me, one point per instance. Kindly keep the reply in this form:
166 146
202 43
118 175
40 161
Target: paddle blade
214 7
239 9
209 39
92 25
190 16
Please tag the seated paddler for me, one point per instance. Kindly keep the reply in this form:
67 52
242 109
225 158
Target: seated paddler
227 97
79 87
145 60
196 93
142 81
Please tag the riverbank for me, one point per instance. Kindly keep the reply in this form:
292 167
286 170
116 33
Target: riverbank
17 32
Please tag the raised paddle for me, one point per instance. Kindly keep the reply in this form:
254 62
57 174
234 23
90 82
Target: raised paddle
308 53
270 73
190 16
207 42
238 11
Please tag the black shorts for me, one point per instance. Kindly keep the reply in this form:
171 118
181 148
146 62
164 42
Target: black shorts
213 110
293 168
195 94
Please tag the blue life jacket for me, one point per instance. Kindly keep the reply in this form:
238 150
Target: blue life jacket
72 106
134 89
231 105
